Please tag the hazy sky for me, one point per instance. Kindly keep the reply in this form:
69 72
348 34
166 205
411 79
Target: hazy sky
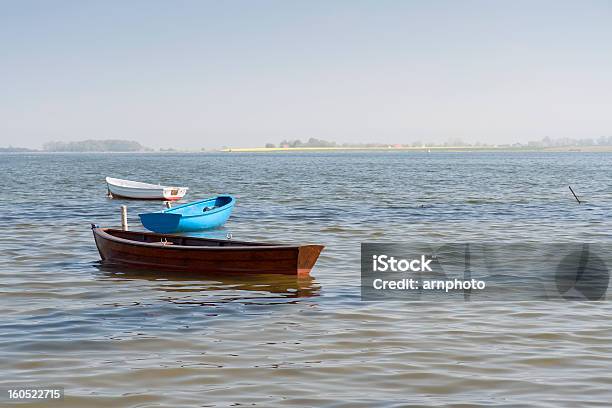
197 74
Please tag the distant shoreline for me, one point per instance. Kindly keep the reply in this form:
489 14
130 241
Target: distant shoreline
466 149
456 149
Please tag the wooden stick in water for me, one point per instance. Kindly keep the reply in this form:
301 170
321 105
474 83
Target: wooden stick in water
124 222
575 196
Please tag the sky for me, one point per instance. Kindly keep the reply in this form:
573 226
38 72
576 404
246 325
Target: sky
206 74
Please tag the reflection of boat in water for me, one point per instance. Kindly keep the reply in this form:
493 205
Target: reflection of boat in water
189 287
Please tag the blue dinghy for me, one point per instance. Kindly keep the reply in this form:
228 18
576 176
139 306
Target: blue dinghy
196 216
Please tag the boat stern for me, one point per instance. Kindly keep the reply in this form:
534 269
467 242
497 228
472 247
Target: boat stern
307 257
160 222
174 193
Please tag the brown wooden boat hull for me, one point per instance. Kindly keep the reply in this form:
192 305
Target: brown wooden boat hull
173 252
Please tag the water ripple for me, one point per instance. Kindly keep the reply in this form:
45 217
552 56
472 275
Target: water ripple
119 337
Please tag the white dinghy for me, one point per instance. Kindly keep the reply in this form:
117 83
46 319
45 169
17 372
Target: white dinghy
144 191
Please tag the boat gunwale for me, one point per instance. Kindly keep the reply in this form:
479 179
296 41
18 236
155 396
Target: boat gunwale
225 207
102 233
140 185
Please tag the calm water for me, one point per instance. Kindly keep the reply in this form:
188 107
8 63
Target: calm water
113 337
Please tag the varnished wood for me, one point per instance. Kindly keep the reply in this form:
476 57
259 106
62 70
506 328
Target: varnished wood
175 252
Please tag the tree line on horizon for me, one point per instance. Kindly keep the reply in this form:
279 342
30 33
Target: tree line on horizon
118 145
544 142
111 145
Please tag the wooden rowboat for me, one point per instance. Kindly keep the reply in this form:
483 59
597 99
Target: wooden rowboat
204 255
144 191
196 216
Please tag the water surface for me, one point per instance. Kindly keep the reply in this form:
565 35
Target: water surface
114 337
